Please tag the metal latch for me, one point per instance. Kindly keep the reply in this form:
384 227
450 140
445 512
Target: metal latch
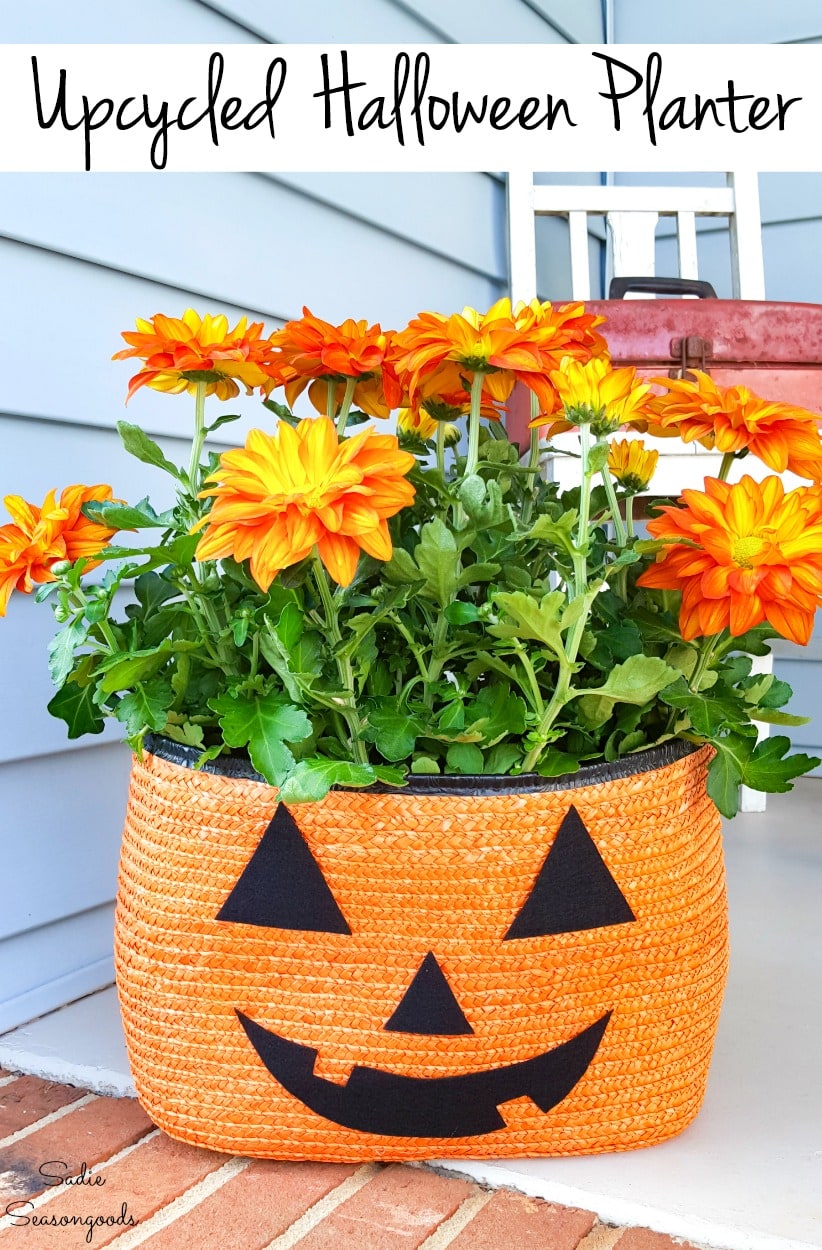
692 352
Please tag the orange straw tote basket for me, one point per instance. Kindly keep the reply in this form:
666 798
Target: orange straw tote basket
471 966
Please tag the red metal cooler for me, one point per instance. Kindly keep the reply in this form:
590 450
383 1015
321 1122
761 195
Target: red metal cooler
774 349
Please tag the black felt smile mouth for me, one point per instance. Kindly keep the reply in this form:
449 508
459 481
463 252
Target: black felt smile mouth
373 1101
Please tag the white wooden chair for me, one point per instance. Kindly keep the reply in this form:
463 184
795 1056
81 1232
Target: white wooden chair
632 214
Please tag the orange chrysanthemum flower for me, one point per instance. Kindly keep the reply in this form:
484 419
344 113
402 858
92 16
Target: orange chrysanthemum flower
315 354
40 537
289 492
733 419
742 554
631 463
598 394
180 352
435 354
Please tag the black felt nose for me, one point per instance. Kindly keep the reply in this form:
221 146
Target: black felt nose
429 1005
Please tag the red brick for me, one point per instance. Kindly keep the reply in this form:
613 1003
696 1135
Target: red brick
28 1099
87 1135
519 1223
154 1174
644 1239
396 1210
252 1208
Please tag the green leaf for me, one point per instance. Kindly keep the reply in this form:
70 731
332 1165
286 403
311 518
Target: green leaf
597 458
502 758
484 571
637 680
438 561
123 670
424 766
264 723
311 779
772 716
188 734
558 533
393 732
770 768
537 619
122 516
215 425
724 779
497 711
138 444
62 648
152 591
145 708
776 694
281 411
452 716
75 705
290 626
401 568
464 757
554 763
458 613
709 711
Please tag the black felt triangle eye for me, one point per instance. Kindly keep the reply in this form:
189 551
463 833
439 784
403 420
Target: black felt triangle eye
282 887
574 889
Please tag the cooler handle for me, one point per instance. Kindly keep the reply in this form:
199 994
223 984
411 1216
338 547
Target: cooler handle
661 286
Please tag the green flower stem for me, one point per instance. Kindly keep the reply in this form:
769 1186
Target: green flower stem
437 660
533 684
616 515
706 654
562 690
412 647
533 464
108 634
346 673
342 420
474 424
629 517
441 448
199 438
204 626
725 467
558 700
583 537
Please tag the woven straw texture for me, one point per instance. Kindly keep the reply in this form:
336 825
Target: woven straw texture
413 874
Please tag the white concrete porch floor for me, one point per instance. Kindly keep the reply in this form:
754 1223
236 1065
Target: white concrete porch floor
747 1175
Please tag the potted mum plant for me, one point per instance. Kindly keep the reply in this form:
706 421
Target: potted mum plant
422 853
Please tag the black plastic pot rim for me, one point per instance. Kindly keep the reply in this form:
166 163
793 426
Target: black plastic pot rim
452 783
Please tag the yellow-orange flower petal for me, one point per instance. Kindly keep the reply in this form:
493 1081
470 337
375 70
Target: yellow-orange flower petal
40 537
631 463
313 351
733 419
179 352
286 493
435 354
742 554
595 392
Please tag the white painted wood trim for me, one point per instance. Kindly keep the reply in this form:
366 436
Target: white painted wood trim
668 201
633 245
686 245
522 248
580 263
747 263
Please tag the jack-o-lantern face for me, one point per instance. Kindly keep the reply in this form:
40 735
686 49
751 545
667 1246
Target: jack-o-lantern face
283 887
506 969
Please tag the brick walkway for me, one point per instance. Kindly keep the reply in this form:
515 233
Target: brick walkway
140 1188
